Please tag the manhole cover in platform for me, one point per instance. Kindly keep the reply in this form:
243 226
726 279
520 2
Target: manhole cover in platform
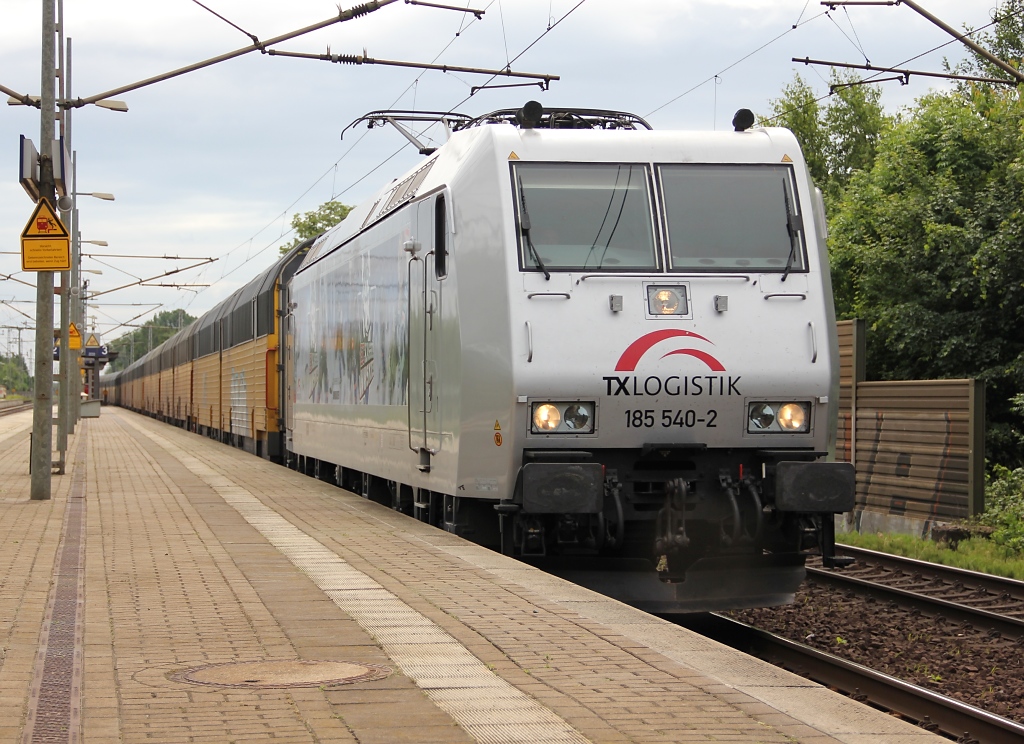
283 674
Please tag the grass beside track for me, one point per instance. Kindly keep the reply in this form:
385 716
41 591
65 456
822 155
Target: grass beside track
975 554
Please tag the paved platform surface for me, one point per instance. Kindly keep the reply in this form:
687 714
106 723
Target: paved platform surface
171 553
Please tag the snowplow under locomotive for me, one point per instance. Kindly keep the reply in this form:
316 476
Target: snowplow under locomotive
604 349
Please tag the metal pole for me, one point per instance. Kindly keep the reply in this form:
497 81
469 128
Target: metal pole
963 39
343 15
74 290
42 408
76 298
63 405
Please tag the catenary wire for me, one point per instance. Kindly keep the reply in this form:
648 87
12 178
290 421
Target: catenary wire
856 46
819 99
333 168
741 59
853 28
255 40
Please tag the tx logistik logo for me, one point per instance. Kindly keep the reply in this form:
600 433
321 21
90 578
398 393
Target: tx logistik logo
673 385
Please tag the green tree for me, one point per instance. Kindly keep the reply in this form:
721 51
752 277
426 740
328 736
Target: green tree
149 335
1005 41
14 374
310 224
838 138
928 247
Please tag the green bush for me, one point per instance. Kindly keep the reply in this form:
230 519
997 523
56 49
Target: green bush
1004 507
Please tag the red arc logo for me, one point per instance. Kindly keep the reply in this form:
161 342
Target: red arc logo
635 351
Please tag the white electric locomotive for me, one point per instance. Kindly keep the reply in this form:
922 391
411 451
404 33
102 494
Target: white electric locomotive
602 348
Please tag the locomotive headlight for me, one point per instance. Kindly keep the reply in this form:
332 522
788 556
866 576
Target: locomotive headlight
761 416
546 417
778 417
564 417
793 417
577 417
666 300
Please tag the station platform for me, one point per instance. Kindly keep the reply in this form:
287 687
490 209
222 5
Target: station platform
174 589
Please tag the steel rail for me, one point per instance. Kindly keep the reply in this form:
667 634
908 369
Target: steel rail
7 410
928 709
988 582
956 611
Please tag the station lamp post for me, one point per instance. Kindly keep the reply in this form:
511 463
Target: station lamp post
69 404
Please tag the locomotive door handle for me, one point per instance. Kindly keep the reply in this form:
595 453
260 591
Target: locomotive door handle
430 305
814 343
529 342
430 396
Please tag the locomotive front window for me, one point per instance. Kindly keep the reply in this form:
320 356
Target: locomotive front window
734 217
584 216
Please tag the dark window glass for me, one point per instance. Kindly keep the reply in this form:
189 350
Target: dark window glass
732 217
265 312
440 238
585 216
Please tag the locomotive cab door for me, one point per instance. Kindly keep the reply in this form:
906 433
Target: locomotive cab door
428 266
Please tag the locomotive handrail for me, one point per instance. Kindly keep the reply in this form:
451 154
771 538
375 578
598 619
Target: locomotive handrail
800 295
408 352
563 118
529 342
566 295
814 343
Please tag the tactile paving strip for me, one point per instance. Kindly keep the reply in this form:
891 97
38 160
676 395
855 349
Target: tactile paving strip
381 613
55 701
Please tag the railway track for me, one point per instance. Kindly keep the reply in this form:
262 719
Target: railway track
942 715
7 410
993 603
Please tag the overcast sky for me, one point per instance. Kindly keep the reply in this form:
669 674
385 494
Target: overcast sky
215 163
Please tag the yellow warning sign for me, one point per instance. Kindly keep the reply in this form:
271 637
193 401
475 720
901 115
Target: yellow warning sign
787 159
44 241
91 342
512 155
497 426
497 439
44 223
45 255
74 337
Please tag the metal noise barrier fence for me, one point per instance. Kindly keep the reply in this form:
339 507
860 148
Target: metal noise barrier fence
918 446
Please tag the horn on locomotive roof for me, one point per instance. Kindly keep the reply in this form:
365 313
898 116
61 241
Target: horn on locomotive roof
743 120
530 115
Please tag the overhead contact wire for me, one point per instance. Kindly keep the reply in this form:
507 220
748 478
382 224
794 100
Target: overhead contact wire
740 60
464 26
867 79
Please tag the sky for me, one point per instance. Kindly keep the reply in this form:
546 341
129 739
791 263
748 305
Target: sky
214 163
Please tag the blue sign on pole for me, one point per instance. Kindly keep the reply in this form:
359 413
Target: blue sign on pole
94 351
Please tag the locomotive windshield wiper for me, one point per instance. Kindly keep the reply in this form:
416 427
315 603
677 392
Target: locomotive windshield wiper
524 224
792 228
